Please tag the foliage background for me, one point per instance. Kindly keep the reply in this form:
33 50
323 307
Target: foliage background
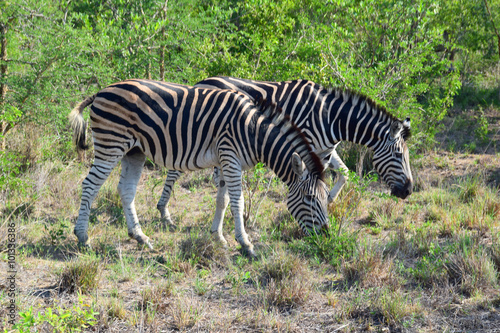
414 57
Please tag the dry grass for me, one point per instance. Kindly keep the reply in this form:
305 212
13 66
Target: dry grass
202 249
282 265
472 270
186 312
286 229
289 292
428 263
286 280
370 269
115 309
156 298
81 275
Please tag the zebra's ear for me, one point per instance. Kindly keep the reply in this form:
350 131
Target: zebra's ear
406 133
297 165
406 123
396 128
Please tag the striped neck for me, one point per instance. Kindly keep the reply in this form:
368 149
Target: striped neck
276 152
276 140
356 118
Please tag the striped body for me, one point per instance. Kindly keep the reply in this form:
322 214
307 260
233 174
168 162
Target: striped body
185 128
326 117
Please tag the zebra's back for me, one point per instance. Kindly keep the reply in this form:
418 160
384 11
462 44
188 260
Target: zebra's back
176 126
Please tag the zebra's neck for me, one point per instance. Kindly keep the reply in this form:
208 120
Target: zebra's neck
354 118
326 116
275 146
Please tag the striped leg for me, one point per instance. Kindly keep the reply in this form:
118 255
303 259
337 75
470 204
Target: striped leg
132 165
221 205
231 170
98 173
336 163
172 177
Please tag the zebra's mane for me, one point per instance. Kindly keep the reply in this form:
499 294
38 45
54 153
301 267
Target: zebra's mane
355 96
294 134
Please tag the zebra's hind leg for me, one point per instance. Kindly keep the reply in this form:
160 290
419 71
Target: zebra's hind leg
220 209
172 177
98 173
132 164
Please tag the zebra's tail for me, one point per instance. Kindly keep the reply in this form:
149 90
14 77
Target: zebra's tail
78 123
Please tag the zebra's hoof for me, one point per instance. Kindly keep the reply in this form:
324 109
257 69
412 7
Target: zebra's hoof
147 243
143 240
84 247
168 224
219 239
250 253
82 236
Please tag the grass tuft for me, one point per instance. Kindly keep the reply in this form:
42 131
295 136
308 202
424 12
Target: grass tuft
80 275
185 313
281 266
470 188
115 309
369 269
204 250
471 270
287 280
395 306
289 292
155 298
286 228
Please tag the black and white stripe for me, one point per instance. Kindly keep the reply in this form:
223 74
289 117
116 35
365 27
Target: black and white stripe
186 128
326 117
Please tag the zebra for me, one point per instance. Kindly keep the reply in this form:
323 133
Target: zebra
189 128
326 117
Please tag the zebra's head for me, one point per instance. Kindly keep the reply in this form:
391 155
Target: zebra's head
392 161
308 198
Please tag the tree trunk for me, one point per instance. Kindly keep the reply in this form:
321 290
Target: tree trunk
162 63
4 127
494 26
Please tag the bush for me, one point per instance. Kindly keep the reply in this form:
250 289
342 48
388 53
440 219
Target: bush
59 320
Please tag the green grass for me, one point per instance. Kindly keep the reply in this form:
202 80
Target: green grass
384 264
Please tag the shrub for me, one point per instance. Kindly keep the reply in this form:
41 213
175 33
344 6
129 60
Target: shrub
59 320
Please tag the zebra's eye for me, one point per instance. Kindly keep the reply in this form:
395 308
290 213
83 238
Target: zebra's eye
398 155
308 198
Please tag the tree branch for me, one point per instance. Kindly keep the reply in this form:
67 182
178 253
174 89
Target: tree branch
494 27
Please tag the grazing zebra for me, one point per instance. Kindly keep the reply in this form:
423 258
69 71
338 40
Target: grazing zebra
186 128
326 117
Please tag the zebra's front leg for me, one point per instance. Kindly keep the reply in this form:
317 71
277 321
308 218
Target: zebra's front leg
132 165
98 173
232 178
172 177
336 163
220 208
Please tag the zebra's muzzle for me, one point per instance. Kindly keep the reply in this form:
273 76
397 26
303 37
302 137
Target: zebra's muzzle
402 191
